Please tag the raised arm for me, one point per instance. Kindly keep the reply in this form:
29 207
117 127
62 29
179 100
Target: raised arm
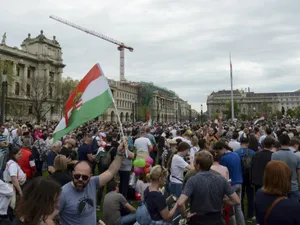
114 167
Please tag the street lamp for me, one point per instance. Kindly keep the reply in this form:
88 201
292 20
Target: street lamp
3 98
201 114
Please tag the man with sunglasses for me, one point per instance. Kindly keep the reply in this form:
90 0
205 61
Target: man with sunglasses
77 203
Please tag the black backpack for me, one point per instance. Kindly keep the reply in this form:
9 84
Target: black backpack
246 161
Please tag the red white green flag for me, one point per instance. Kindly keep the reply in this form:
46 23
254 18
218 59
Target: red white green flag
91 98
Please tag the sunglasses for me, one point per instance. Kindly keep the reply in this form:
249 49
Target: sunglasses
83 177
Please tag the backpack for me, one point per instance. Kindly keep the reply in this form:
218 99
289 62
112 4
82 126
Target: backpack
105 158
142 214
246 161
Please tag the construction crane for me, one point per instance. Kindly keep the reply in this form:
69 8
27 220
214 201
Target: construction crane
121 45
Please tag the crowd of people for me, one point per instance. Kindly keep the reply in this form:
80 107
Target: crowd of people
214 173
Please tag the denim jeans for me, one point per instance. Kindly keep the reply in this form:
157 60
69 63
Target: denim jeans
248 190
128 219
294 195
175 189
239 216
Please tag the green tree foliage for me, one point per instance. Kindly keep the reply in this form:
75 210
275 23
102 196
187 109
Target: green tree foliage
290 112
142 112
277 114
227 111
297 112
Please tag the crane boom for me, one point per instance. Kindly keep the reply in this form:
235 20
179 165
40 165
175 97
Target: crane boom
104 37
121 45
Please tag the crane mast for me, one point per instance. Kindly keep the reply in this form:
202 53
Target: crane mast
121 45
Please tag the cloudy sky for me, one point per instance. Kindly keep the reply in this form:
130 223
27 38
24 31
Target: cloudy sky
180 45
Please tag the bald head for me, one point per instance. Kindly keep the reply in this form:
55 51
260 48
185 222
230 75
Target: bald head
83 167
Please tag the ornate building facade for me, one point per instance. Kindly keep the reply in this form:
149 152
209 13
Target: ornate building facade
33 74
251 103
34 77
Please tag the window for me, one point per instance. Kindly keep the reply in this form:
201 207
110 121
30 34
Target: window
28 90
52 110
30 110
17 89
28 73
51 76
18 71
50 92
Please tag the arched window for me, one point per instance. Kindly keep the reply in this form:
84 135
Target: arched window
17 89
50 92
28 90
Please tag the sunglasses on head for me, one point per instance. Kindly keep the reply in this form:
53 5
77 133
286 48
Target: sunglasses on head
83 177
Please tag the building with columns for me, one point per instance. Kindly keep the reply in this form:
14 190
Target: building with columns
34 73
251 103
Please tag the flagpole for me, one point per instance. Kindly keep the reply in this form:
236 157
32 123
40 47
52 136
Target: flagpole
119 120
231 81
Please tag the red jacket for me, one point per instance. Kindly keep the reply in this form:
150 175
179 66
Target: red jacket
26 162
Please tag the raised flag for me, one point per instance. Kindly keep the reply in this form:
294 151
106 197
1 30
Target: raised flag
91 98
259 119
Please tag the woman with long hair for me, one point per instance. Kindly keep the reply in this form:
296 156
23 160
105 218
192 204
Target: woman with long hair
253 143
272 205
13 173
155 200
39 204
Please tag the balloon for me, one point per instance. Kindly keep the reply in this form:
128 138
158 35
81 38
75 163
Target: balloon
146 170
138 171
149 160
147 165
139 163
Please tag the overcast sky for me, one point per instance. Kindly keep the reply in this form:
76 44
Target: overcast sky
180 45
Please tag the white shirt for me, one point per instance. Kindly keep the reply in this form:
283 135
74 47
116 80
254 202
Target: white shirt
141 144
177 168
5 193
234 144
13 169
193 150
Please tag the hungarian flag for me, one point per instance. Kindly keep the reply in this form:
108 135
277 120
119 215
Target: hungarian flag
259 119
91 98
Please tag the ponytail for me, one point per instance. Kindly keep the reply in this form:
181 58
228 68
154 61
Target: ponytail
170 160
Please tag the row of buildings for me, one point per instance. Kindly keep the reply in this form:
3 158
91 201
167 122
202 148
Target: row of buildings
34 74
251 103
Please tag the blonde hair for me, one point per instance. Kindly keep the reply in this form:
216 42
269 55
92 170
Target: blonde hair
158 172
60 163
195 140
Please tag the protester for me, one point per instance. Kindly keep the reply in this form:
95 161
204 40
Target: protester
209 209
78 203
60 173
114 203
272 205
155 200
6 192
39 204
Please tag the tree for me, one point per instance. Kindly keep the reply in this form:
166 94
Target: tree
265 109
297 112
66 86
142 112
277 114
38 95
228 109
290 112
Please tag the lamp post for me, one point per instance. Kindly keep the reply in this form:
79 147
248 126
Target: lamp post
201 114
3 98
